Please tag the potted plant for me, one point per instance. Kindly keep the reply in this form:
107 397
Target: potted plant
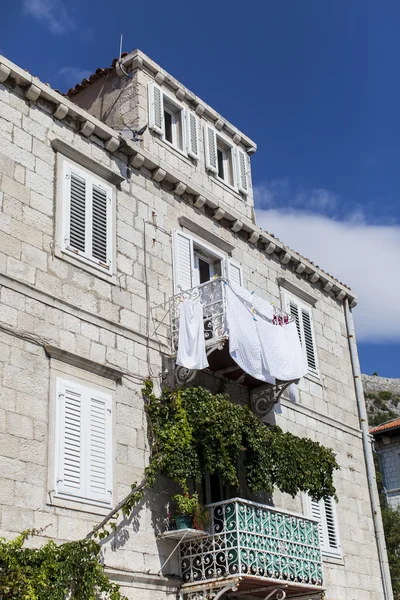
186 507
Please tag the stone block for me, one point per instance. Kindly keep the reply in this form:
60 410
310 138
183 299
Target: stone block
29 496
22 139
34 256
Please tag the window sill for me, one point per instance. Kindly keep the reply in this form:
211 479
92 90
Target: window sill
226 186
333 560
181 154
77 262
79 506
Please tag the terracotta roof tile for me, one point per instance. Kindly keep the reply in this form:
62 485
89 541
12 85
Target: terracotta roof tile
100 72
393 424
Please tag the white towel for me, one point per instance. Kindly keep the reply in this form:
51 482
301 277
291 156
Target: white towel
191 343
244 345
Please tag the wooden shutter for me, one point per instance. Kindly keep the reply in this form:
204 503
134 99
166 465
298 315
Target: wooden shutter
304 324
316 513
235 273
99 224
309 341
88 217
156 108
332 537
99 453
192 134
76 237
183 259
83 443
324 511
70 469
210 148
242 178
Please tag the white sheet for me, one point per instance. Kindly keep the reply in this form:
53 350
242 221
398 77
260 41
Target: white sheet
244 345
191 343
262 349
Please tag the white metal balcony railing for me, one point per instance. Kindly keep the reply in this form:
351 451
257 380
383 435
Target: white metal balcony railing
212 296
257 544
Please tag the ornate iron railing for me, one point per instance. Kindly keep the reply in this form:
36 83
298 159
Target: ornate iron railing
254 540
212 296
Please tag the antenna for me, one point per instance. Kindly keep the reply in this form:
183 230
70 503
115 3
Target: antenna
127 75
120 47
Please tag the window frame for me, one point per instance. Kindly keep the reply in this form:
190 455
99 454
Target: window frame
225 259
174 122
228 156
301 304
62 249
63 372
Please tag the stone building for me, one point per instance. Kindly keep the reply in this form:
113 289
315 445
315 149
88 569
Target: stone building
100 228
387 445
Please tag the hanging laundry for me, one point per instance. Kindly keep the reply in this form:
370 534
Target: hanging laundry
264 345
191 344
244 345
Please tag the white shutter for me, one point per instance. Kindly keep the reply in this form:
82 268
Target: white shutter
70 468
192 134
309 341
235 273
99 451
242 178
156 108
332 536
210 148
76 236
316 513
304 324
324 511
100 235
183 259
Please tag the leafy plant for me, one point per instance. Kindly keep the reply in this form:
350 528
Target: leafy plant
185 504
53 571
195 432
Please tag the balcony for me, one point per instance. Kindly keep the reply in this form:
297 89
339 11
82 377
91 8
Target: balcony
212 296
259 550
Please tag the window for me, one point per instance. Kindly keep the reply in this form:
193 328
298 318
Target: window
325 512
195 263
176 125
83 443
87 218
227 161
302 314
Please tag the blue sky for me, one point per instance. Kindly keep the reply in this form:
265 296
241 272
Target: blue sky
315 84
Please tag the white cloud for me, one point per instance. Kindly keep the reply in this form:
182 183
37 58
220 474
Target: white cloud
52 14
366 257
72 75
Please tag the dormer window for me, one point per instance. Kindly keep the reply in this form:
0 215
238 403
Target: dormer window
225 163
176 125
172 124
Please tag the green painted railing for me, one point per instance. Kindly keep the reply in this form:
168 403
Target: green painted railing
254 540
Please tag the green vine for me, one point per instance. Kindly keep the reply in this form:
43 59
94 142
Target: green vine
192 432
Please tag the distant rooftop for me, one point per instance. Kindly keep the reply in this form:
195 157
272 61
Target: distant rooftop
386 427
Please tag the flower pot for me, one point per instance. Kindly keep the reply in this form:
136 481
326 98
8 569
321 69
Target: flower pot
183 521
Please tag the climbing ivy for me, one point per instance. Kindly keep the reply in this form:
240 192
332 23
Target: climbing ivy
195 432
192 432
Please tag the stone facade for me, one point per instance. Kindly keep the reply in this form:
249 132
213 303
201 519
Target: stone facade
49 299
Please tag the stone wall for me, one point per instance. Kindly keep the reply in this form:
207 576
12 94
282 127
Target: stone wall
45 299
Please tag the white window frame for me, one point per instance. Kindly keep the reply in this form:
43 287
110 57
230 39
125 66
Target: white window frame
63 248
326 549
208 250
287 296
102 387
181 111
231 149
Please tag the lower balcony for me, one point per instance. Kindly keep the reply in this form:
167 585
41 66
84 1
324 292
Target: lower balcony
253 550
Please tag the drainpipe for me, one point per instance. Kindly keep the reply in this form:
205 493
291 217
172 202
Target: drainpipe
369 461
